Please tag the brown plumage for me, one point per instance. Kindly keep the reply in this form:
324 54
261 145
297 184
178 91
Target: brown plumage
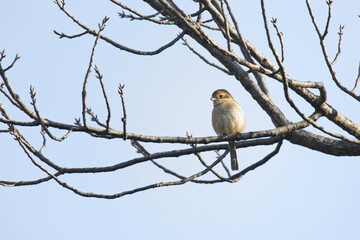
227 119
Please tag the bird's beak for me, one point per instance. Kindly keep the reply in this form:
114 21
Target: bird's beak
212 99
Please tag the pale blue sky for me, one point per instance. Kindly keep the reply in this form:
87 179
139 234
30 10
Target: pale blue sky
299 194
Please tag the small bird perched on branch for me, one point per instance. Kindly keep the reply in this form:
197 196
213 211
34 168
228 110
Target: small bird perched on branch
227 118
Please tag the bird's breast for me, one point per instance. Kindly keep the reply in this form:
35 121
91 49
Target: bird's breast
228 119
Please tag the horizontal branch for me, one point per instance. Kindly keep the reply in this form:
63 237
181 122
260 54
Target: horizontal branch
111 133
151 157
172 154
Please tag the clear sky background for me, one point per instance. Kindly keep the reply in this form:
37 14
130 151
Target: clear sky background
299 194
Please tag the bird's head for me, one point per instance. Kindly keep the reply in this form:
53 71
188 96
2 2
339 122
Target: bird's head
220 96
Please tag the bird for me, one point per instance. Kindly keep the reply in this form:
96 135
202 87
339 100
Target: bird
227 119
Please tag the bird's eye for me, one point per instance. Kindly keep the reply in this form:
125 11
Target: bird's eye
221 96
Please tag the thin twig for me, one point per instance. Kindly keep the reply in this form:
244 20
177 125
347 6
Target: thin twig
227 170
94 118
227 32
209 27
17 57
144 152
25 183
279 34
63 35
340 33
123 119
239 175
2 55
201 11
236 177
212 170
63 184
242 45
19 103
44 140
329 3
23 143
357 80
245 51
140 16
197 154
4 114
203 23
140 149
100 77
203 58
176 8
101 28
44 128
13 102
146 17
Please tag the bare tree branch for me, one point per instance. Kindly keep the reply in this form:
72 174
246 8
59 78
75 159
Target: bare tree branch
203 58
323 48
101 28
329 3
139 15
123 119
17 57
115 44
357 80
100 77
197 154
339 45
239 175
242 67
245 51
44 128
285 80
63 35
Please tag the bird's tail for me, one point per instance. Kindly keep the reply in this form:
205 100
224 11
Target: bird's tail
234 161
